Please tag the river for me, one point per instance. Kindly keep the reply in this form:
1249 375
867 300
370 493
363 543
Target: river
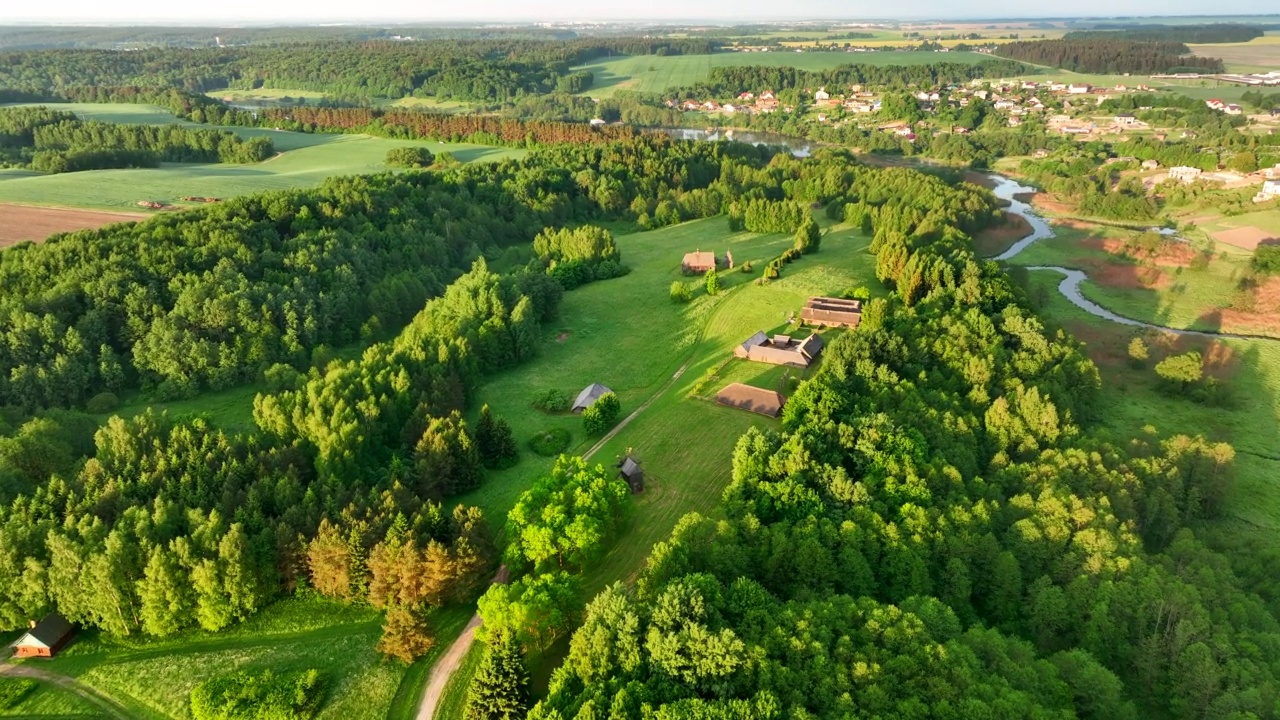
1007 189
799 147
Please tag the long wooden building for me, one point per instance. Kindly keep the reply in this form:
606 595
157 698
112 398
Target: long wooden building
832 312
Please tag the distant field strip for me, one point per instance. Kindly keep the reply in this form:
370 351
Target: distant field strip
306 160
1259 54
652 73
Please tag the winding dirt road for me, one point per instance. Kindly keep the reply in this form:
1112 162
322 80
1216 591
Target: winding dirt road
105 704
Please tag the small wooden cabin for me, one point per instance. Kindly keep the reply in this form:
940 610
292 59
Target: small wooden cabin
44 639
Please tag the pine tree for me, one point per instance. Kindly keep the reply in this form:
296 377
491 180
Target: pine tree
713 282
495 441
500 688
404 635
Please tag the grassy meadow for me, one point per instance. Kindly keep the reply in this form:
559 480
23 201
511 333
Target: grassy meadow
305 160
1258 55
652 73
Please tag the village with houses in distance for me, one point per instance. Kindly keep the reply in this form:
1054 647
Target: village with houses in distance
661 369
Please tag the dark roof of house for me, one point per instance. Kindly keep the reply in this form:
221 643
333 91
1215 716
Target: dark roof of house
758 339
753 399
47 633
812 345
630 468
589 395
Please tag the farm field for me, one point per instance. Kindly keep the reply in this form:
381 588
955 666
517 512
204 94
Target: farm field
153 679
657 73
305 160
1258 55
1249 420
1199 89
24 222
264 96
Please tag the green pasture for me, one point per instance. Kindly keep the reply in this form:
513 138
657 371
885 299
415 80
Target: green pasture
305 160
46 701
1132 400
153 678
652 73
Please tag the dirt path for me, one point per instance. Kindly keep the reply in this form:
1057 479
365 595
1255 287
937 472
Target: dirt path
618 428
448 663
104 703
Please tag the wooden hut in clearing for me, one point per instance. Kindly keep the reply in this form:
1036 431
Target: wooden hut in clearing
44 639
630 471
698 262
751 399
832 312
589 395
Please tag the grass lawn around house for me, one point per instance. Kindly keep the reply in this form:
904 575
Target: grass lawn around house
653 73
305 160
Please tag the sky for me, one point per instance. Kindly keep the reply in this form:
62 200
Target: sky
382 11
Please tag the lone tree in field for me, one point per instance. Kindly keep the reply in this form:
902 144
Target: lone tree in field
411 157
500 688
404 635
713 282
495 441
1181 371
1138 352
601 414
680 292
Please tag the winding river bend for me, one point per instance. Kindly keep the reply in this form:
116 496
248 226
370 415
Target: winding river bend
1007 189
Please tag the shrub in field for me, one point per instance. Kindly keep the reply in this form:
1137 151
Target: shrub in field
103 402
550 443
1138 352
552 401
713 282
1181 371
601 414
417 157
680 292
260 695
1266 259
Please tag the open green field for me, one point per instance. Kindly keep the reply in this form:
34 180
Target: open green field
305 160
651 73
1132 400
153 679
264 96
47 701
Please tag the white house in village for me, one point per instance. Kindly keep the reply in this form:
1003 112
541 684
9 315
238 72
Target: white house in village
1270 191
822 95
1083 89
1185 174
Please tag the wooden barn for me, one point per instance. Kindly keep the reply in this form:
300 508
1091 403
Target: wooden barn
751 399
630 471
44 639
780 349
698 262
832 312
589 395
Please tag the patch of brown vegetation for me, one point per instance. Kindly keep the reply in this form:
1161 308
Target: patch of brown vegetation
1142 277
19 223
1046 203
1247 237
1171 253
995 240
1262 319
562 337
